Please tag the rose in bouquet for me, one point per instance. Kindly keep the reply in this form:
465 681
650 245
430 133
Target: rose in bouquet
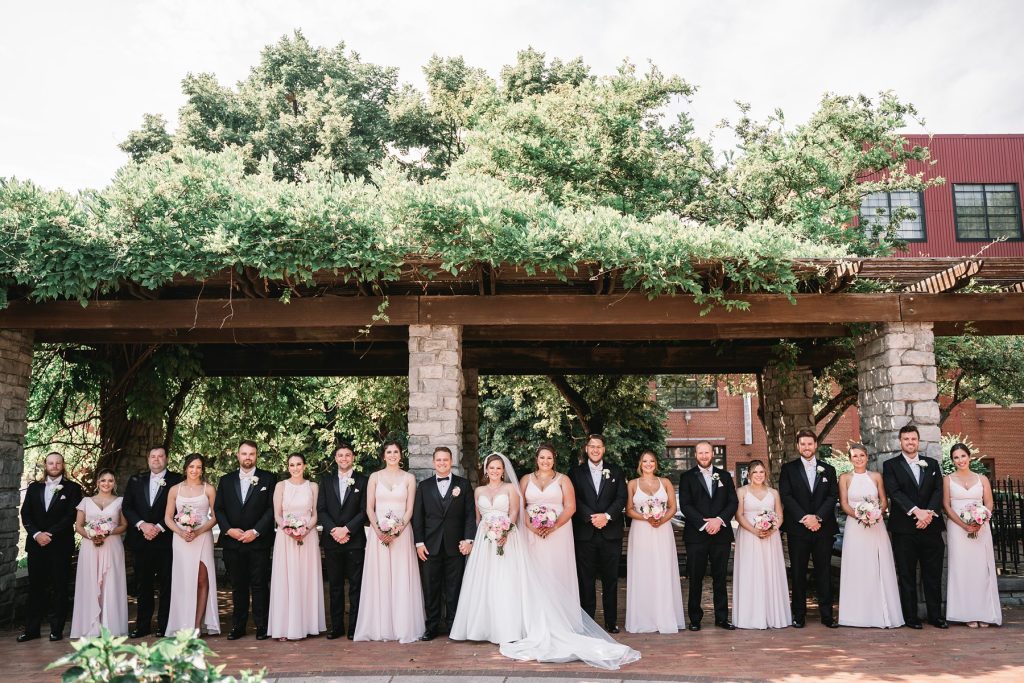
188 517
390 525
498 528
975 514
868 512
98 529
541 516
766 520
294 526
652 508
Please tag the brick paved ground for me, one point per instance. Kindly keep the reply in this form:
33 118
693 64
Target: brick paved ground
816 653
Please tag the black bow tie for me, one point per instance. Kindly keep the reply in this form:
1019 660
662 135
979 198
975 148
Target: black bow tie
442 478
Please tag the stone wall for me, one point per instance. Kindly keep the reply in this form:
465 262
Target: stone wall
435 394
787 401
471 425
15 370
896 381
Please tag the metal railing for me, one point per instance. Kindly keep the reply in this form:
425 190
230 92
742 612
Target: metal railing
1007 518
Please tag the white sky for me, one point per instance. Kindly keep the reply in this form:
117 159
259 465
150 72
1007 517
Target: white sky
76 77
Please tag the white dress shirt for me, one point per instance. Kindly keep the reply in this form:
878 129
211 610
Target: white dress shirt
246 480
155 482
708 473
443 483
343 479
595 473
810 471
51 485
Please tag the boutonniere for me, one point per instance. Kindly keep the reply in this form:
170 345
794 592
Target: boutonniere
606 473
254 480
58 488
716 477
922 463
350 482
820 469
456 491
162 483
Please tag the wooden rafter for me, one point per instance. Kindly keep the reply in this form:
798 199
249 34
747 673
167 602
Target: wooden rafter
841 276
949 279
1016 287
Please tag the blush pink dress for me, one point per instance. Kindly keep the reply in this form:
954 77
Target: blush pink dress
972 590
654 599
296 581
554 557
188 559
101 595
760 594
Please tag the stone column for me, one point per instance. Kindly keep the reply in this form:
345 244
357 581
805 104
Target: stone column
896 387
15 369
787 401
435 394
471 424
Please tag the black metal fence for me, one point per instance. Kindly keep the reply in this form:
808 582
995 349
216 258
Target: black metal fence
1007 518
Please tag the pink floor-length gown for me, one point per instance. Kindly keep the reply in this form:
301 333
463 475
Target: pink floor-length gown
101 594
654 600
554 557
185 573
391 598
972 591
760 594
296 581
868 592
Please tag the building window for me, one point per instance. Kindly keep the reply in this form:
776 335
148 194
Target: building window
688 392
987 212
877 208
682 458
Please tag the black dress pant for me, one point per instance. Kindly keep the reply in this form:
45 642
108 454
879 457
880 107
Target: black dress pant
441 575
599 557
152 571
697 557
816 547
344 565
48 572
911 551
249 572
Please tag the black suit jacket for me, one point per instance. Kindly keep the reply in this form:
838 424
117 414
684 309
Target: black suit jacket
905 494
58 519
799 500
137 508
257 512
609 499
438 521
697 503
332 512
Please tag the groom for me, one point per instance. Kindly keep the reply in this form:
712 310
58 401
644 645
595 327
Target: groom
443 526
597 529
914 486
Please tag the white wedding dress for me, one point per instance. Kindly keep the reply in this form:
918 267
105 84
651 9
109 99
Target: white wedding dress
504 602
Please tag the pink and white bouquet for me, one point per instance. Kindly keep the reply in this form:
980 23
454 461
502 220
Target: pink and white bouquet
868 512
766 520
188 517
652 508
541 516
293 526
498 528
98 529
390 525
975 514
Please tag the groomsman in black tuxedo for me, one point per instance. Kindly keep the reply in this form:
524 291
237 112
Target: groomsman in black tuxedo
245 514
914 486
144 504
708 501
443 526
809 489
597 528
48 515
341 509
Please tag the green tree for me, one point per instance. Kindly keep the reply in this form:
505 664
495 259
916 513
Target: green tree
984 369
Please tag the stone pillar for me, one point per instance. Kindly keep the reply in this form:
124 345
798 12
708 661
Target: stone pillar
896 387
471 425
435 394
15 369
787 401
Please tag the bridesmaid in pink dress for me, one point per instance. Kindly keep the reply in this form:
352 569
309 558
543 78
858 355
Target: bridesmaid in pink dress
654 599
391 598
193 574
296 581
552 549
101 594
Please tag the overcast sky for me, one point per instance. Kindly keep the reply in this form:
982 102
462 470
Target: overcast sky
77 76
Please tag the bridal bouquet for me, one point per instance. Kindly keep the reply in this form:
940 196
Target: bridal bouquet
390 525
541 516
652 508
975 514
766 520
868 512
293 524
98 529
188 517
498 528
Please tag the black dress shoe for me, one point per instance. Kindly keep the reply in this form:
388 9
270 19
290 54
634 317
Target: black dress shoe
25 637
725 625
138 634
427 636
333 634
261 635
351 636
830 623
916 625
158 634
54 636
611 628
694 627
236 634
938 623
798 623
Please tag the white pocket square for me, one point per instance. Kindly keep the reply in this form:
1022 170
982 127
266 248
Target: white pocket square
63 497
263 489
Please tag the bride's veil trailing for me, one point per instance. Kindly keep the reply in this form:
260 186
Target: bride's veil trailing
557 628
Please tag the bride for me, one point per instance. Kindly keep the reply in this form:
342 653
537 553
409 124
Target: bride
528 618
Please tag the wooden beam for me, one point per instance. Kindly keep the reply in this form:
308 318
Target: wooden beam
993 328
981 307
949 279
650 332
253 335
